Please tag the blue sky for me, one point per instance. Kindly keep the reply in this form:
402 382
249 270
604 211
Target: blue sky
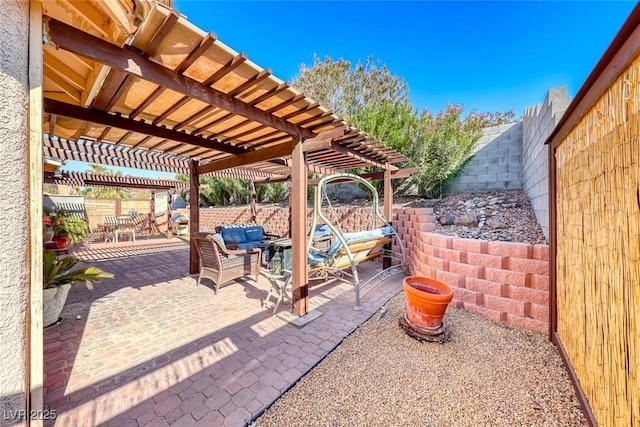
489 56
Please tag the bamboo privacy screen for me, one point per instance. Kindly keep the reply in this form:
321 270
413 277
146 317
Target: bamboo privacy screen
598 251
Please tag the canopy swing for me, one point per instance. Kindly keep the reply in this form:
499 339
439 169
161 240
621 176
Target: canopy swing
348 249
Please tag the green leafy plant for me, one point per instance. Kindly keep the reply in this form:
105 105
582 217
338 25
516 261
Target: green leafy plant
59 272
64 225
443 144
76 230
273 193
56 220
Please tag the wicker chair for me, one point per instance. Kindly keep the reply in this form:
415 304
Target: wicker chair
221 264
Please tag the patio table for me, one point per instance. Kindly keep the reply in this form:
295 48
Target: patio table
115 226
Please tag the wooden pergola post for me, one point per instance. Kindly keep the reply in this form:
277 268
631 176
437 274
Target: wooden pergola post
194 215
169 214
152 204
300 289
254 196
34 344
388 210
388 196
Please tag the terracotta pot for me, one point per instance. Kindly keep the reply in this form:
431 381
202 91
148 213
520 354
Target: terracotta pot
62 242
427 300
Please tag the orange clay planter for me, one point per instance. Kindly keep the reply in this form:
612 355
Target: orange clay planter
427 301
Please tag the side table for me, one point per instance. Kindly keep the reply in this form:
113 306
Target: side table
281 284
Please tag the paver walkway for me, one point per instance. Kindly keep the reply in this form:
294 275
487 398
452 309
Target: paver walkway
150 348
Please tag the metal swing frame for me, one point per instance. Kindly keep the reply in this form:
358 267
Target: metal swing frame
353 252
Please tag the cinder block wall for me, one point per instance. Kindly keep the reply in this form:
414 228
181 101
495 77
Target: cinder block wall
503 281
496 165
14 216
538 122
275 219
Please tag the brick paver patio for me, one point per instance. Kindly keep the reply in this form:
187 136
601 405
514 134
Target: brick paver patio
150 348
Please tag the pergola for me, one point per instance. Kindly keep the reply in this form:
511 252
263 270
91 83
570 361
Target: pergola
160 94
87 179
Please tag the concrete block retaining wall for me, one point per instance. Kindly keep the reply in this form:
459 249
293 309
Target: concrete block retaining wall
513 156
503 281
538 122
496 165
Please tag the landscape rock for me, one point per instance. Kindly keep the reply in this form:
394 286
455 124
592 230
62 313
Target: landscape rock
507 217
446 219
494 223
469 220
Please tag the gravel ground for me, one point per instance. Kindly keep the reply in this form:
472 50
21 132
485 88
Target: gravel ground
489 374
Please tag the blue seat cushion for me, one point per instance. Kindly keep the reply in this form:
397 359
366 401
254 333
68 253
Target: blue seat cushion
322 230
317 257
252 245
254 233
231 233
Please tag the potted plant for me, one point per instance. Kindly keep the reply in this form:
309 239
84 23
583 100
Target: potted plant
74 230
57 279
65 228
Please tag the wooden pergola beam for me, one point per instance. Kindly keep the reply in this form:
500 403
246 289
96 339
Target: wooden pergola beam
90 115
371 176
254 197
118 82
324 139
255 156
129 60
362 157
388 196
273 92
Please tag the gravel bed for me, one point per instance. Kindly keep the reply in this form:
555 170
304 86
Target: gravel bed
514 214
489 374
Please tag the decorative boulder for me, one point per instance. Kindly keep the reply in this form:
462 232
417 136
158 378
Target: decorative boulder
469 220
446 219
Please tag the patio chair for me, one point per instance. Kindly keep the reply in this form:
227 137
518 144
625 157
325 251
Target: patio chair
220 264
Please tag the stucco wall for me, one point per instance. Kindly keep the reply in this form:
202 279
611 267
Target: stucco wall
14 21
538 122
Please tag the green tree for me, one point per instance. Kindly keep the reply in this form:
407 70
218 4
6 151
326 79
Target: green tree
443 144
112 192
371 98
367 95
105 192
223 191
348 89
272 193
